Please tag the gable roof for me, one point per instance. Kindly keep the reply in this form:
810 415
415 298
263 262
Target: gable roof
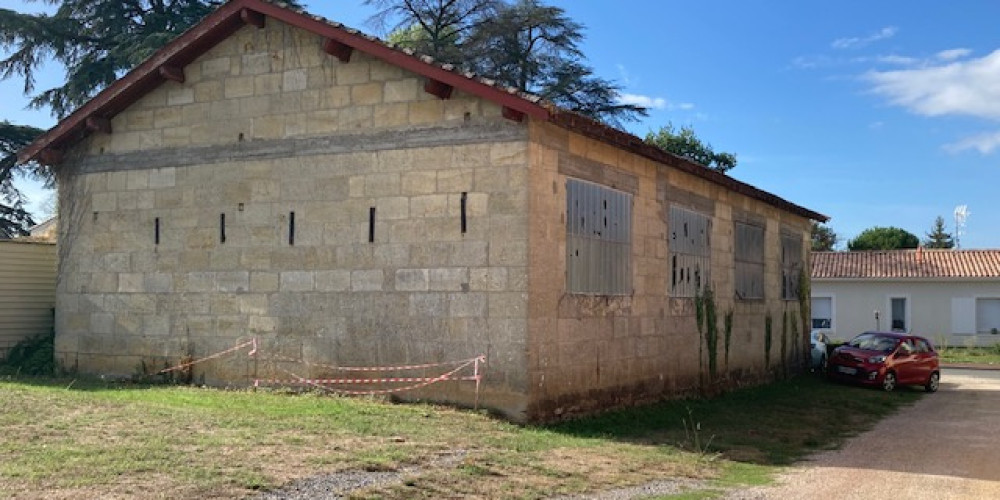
168 63
906 264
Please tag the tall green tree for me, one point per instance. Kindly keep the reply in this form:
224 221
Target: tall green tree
14 219
823 238
535 48
526 45
437 28
883 238
684 142
938 237
95 41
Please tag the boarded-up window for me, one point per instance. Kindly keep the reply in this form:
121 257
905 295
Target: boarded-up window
749 261
791 266
688 236
598 239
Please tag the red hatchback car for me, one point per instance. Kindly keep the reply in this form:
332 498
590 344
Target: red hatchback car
886 359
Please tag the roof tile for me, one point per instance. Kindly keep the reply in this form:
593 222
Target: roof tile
907 264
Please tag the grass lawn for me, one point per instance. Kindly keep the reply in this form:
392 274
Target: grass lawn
975 355
90 439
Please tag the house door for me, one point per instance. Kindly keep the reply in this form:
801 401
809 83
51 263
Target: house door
898 305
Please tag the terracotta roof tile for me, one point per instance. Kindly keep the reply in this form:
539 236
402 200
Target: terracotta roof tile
907 264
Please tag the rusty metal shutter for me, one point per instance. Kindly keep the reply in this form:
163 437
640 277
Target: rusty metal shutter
689 239
598 239
749 261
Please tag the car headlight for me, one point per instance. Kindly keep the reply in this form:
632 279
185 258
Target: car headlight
876 359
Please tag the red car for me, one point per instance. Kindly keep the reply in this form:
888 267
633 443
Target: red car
886 359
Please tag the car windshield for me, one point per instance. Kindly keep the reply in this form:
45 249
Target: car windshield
872 342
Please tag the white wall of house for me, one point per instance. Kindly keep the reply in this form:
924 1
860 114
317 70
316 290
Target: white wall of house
959 313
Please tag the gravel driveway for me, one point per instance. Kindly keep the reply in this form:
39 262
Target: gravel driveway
945 446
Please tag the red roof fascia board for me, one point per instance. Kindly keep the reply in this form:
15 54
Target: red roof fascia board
112 100
401 59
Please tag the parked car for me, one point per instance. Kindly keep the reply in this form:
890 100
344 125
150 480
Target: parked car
817 340
888 360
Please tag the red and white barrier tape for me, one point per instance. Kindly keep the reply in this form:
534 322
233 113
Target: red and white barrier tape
323 383
356 381
441 378
278 357
252 342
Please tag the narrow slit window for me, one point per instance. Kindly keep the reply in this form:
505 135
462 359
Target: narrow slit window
465 200
222 228
371 225
156 231
291 228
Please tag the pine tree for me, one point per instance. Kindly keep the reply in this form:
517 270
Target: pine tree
525 45
14 219
937 237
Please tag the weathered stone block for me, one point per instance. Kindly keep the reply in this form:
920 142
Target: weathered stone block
449 279
240 86
297 281
412 280
367 280
467 305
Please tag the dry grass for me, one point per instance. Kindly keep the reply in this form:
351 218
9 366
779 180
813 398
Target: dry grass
96 440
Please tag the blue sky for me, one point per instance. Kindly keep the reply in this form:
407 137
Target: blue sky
874 113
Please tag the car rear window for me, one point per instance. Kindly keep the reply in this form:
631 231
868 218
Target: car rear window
872 342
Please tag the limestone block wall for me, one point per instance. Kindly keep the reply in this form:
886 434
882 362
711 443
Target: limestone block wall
176 229
587 352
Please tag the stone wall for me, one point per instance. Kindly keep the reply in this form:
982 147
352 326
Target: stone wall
589 352
266 125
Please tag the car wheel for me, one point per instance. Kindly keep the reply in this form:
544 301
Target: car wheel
889 382
933 382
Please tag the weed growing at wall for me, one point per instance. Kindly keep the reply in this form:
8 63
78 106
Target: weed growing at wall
705 314
784 343
31 356
728 328
767 341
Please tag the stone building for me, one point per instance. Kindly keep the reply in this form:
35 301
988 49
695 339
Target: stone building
275 175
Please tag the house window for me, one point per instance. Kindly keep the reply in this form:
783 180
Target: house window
598 239
987 315
791 266
688 235
822 313
898 310
749 260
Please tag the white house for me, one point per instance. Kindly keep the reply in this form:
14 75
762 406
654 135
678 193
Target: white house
949 296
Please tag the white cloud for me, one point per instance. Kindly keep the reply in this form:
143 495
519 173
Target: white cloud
858 42
642 100
952 54
653 102
966 87
985 143
897 60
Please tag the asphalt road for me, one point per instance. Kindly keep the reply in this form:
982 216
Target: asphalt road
947 446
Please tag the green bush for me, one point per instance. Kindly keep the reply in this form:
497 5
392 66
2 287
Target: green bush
31 356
